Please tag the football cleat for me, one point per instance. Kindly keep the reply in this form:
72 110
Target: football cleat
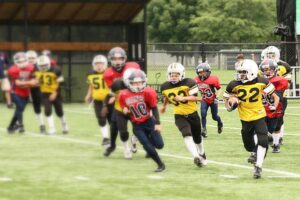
65 128
203 159
108 151
276 149
52 131
198 161
281 141
128 154
204 132
252 158
21 128
160 168
12 129
257 172
220 128
43 129
105 141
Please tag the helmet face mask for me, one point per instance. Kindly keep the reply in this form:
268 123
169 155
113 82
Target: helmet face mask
269 68
135 80
99 63
43 63
175 73
246 71
117 58
203 70
20 59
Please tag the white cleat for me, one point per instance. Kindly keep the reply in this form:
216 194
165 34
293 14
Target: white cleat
128 154
65 128
52 132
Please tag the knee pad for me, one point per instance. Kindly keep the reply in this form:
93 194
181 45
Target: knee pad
124 135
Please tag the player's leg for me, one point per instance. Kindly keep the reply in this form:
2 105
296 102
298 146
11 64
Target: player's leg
113 132
58 107
276 135
284 105
17 120
36 102
102 123
185 128
122 121
204 108
216 117
48 113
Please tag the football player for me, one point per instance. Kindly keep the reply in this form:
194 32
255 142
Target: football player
284 70
4 82
50 79
274 117
36 93
139 101
21 81
180 91
97 93
113 78
210 89
248 87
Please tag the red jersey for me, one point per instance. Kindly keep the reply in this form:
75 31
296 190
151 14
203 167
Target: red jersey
139 103
280 84
25 73
207 88
111 74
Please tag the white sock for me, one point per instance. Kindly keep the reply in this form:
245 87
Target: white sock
281 130
190 145
40 119
104 131
200 148
63 120
261 152
276 137
134 139
51 123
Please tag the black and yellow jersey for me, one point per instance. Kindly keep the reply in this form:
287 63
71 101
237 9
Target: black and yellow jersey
100 89
182 88
48 80
250 95
283 68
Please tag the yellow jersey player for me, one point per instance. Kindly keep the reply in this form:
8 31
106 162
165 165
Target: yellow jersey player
49 79
248 87
97 93
177 91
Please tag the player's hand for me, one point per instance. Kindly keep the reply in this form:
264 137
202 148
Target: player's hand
126 111
53 96
157 127
178 98
111 100
163 109
88 99
216 101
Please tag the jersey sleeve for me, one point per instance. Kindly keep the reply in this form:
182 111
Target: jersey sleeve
13 73
190 82
151 97
229 89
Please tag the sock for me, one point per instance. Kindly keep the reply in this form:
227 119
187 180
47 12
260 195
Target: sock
200 148
104 131
63 120
276 137
261 151
40 119
189 143
281 130
50 122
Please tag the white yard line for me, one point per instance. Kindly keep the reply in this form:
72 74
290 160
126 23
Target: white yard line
78 141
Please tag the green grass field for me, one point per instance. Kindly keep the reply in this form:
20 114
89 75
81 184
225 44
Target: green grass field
35 166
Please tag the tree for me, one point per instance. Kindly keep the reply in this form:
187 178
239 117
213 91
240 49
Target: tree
211 21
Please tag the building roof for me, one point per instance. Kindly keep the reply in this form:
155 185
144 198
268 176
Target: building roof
71 11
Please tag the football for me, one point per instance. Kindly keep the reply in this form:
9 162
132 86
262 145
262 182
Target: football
233 102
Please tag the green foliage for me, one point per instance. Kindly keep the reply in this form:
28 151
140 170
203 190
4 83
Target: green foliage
211 21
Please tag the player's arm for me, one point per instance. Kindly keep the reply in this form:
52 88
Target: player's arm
88 96
163 107
155 114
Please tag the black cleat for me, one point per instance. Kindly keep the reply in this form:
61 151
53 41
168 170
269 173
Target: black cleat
252 158
257 172
21 128
198 161
276 149
204 133
105 141
12 129
220 128
108 151
160 168
43 129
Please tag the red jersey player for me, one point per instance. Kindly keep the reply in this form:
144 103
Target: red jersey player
274 117
140 102
210 88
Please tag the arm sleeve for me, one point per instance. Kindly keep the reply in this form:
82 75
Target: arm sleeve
156 115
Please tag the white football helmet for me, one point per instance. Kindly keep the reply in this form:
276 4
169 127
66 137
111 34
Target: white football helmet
20 59
43 63
263 54
175 68
273 52
99 63
31 56
135 80
246 71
